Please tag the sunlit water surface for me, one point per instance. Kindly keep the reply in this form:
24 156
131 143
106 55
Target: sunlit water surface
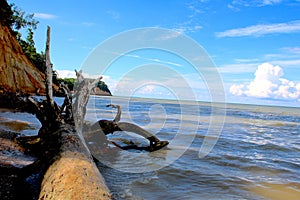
256 156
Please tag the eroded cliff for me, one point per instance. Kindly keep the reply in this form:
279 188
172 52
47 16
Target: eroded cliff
17 73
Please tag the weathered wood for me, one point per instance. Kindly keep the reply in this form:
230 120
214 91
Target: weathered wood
72 177
66 107
49 91
81 95
71 172
105 127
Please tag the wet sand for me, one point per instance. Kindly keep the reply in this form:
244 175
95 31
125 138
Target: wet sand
15 183
278 191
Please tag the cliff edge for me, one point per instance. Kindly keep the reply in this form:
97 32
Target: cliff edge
17 73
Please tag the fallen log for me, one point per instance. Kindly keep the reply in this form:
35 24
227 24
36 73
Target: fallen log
67 164
73 174
70 172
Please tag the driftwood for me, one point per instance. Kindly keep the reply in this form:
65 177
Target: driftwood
70 172
63 155
106 127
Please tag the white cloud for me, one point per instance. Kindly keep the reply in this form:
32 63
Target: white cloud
290 63
268 83
171 35
292 50
44 16
148 89
191 23
270 2
253 3
262 29
72 74
66 73
237 89
183 29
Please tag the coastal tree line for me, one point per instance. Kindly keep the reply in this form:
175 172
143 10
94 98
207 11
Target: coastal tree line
70 83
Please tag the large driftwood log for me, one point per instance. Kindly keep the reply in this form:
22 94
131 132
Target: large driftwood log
73 174
70 171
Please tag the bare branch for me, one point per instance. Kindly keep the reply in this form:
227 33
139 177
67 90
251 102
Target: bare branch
49 91
119 113
67 105
94 83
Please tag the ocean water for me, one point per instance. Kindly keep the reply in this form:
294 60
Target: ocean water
237 152
256 153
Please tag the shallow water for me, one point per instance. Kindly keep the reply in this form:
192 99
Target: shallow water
256 155
20 122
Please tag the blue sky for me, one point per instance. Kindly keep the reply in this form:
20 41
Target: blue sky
255 45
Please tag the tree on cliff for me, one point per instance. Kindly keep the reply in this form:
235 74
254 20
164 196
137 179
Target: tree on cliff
102 85
28 47
16 19
5 14
13 17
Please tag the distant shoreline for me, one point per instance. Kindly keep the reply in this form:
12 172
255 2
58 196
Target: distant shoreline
186 101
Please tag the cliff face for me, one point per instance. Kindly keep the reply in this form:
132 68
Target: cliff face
17 73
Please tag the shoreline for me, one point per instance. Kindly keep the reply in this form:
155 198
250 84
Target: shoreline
21 177
16 182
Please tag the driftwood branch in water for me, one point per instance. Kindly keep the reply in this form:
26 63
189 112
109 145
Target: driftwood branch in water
70 170
105 127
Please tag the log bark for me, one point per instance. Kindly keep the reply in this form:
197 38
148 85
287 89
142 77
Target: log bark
70 171
73 174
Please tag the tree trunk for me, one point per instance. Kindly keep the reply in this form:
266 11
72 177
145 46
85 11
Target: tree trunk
71 172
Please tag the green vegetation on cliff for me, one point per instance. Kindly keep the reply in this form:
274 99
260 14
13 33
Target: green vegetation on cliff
15 19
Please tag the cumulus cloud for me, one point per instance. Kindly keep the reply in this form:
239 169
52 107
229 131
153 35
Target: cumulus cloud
66 73
72 74
268 83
